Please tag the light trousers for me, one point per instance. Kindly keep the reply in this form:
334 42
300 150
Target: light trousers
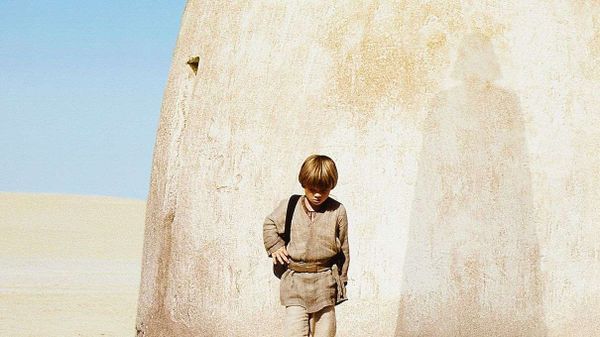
299 323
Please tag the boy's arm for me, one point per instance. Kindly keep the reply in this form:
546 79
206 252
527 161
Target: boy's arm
273 226
343 236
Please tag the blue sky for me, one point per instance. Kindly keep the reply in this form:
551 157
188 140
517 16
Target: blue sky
81 84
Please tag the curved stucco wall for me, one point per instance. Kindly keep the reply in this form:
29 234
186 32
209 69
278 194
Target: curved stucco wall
466 138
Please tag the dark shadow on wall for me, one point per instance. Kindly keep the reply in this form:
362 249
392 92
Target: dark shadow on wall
159 321
473 260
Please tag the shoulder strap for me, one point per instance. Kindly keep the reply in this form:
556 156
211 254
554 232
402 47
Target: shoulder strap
288 217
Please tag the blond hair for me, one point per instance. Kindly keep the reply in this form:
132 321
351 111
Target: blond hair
318 171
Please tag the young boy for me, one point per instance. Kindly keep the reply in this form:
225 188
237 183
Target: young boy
317 255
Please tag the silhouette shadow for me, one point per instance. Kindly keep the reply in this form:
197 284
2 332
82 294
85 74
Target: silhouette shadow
472 264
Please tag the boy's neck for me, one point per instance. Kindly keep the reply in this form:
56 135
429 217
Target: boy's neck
311 207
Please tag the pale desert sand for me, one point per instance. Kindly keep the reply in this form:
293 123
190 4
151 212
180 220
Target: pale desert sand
69 264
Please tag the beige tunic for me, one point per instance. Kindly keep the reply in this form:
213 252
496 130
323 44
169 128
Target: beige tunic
315 237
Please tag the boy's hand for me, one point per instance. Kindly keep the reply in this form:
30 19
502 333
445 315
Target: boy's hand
280 255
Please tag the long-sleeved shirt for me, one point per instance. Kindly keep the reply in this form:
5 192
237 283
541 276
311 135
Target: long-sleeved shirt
316 236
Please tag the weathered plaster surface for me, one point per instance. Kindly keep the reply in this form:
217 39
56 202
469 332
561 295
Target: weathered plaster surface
466 136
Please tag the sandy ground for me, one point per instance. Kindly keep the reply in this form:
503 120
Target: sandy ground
69 264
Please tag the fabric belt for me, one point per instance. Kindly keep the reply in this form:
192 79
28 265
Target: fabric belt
308 267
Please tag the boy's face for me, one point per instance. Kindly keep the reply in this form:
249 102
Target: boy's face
316 196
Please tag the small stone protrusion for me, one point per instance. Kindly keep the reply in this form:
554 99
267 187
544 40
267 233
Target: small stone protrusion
193 63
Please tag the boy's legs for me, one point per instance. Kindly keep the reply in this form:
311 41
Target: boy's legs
322 323
296 321
299 323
